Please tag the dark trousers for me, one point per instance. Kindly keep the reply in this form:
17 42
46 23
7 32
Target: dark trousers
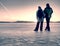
47 23
37 26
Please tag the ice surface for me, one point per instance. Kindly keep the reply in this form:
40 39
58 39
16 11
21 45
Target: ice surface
22 34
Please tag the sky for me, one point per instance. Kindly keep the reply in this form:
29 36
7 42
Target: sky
25 10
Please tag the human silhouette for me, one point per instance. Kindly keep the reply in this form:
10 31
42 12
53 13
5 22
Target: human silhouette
48 12
40 17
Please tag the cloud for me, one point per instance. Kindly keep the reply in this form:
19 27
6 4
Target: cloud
3 6
16 3
20 3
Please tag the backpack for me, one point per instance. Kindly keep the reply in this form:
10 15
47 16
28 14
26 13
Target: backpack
48 11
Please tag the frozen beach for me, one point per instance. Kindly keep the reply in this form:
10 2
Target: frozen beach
22 34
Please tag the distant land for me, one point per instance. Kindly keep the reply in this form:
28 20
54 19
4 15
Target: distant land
25 22
55 22
17 22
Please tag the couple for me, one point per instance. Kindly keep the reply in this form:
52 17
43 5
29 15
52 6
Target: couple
43 14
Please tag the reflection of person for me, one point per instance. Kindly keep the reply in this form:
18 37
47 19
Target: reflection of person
40 17
48 12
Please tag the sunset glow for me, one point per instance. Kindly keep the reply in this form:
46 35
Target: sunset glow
25 12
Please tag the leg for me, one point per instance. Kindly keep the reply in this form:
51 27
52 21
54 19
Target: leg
48 21
41 26
48 25
37 26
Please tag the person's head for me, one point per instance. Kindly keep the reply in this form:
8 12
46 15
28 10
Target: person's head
39 7
47 5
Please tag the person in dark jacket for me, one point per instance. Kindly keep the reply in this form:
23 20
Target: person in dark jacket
40 17
48 12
